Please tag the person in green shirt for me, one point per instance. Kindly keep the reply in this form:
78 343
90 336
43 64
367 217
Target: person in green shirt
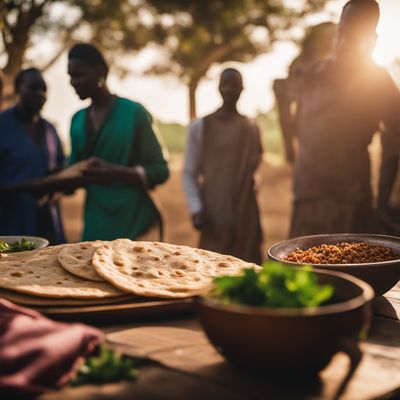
125 158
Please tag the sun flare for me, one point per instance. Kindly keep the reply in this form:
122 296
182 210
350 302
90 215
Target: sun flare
385 52
388 48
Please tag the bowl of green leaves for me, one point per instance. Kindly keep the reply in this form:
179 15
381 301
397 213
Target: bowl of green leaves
12 244
285 319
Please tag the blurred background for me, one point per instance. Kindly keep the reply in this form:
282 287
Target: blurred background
168 56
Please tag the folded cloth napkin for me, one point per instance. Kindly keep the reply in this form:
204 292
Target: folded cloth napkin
36 354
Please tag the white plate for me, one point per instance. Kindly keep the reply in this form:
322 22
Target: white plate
39 242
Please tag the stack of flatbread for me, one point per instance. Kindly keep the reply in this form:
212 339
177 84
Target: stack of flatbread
104 272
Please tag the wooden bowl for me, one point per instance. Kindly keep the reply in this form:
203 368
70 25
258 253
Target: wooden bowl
382 276
296 340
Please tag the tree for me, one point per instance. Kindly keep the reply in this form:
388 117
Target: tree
197 34
61 22
193 35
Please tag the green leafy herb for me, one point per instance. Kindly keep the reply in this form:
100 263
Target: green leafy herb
23 245
276 285
107 367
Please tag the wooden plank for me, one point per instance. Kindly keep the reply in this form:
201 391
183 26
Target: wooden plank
189 367
153 383
386 332
182 346
132 311
389 305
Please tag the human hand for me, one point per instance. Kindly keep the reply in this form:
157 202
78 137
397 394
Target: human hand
50 199
198 220
290 153
98 171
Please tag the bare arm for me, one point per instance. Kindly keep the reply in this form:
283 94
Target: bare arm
390 138
286 118
387 177
191 172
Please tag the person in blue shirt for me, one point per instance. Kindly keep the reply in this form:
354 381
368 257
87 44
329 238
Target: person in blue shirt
29 148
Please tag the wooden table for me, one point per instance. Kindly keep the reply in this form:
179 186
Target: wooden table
185 366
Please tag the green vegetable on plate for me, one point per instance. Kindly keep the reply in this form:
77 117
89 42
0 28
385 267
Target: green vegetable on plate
275 285
23 245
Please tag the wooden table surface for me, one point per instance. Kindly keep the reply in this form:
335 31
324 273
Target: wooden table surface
185 366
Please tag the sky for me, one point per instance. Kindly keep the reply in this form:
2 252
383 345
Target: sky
166 98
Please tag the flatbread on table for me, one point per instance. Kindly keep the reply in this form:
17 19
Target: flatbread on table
36 301
39 273
161 270
77 259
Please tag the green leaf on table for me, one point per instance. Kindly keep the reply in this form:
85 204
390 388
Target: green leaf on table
106 367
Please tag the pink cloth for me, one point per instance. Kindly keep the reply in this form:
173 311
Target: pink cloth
37 354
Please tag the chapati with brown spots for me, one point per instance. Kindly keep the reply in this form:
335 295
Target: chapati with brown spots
39 273
77 259
155 269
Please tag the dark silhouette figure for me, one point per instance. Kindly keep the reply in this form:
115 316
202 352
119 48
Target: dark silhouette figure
223 152
317 45
29 149
1 88
342 102
126 157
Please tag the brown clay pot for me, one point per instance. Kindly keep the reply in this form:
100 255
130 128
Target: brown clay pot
301 340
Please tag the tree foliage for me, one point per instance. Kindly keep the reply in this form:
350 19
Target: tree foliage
197 34
27 23
193 35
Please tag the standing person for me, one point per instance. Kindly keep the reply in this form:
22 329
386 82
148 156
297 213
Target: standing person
343 101
128 157
222 154
1 88
29 148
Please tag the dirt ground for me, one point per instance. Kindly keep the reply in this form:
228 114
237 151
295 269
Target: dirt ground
274 199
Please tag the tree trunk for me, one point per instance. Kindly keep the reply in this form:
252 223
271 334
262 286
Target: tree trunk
15 49
214 56
194 82
9 73
16 41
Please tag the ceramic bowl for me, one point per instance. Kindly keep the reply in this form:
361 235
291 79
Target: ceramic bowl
39 242
382 276
296 340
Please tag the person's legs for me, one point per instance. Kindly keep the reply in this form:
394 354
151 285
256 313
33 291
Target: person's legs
151 235
329 215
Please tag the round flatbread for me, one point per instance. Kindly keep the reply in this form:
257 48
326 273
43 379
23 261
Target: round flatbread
156 269
29 300
77 259
39 273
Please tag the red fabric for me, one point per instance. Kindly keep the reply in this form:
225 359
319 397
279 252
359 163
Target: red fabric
37 354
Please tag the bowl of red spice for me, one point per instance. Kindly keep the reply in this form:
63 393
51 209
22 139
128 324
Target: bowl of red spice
372 258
